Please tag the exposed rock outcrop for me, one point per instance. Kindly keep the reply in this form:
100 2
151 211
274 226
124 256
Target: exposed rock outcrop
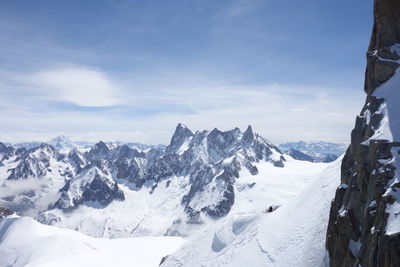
91 186
363 225
4 212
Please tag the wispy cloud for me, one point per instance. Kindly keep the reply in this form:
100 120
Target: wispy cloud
79 86
144 113
137 70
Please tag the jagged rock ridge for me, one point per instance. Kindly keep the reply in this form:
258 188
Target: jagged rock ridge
211 160
363 226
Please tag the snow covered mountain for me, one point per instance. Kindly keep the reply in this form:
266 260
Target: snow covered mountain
63 144
227 192
26 145
317 151
199 169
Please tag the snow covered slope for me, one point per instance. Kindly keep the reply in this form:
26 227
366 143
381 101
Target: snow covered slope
161 212
293 235
25 242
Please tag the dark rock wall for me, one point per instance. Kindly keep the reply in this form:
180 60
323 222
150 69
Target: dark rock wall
356 233
4 212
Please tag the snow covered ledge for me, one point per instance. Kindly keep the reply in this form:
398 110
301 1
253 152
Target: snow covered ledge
24 241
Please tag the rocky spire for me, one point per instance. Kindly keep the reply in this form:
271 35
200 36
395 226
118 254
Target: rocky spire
385 35
181 134
357 230
248 136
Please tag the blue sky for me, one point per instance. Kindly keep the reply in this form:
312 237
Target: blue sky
131 70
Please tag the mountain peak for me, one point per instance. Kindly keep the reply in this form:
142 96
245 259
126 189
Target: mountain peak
46 146
248 135
181 126
61 143
61 137
101 145
2 146
181 134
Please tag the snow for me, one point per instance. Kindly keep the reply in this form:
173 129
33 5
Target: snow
272 185
25 242
184 146
275 156
140 214
367 116
384 130
33 191
395 49
344 186
393 221
390 130
292 235
391 93
62 144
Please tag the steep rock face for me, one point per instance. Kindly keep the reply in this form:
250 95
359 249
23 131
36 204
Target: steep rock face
364 225
90 186
385 34
34 162
296 154
4 212
213 161
6 152
181 136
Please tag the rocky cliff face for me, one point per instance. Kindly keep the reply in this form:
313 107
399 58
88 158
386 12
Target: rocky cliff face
4 212
364 223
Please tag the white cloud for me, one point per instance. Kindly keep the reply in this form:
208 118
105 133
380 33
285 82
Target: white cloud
278 112
80 86
149 108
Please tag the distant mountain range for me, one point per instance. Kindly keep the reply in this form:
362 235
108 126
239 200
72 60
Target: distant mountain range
317 151
63 143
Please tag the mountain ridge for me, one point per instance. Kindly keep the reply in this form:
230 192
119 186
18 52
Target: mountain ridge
65 180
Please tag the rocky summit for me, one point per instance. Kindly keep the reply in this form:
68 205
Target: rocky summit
364 224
